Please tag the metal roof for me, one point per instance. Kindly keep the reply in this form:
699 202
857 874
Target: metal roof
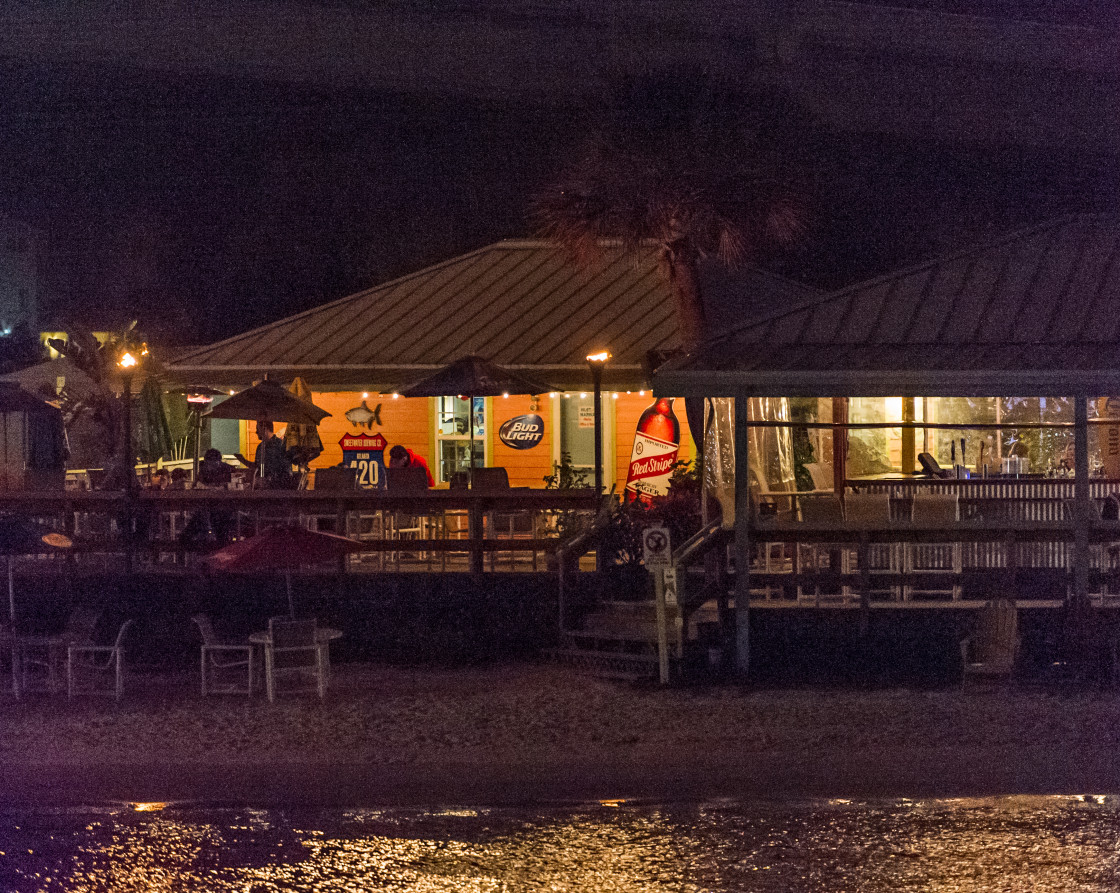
523 304
1036 312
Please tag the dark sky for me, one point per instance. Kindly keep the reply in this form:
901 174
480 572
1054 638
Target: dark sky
205 201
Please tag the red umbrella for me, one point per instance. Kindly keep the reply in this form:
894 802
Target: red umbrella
284 547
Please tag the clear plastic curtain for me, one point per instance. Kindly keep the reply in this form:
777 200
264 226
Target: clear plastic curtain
771 451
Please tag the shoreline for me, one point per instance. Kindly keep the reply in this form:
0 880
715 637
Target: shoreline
530 734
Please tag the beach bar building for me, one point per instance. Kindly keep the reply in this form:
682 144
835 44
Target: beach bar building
998 362
525 305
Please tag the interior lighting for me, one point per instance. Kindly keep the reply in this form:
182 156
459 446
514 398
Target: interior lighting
641 393
505 395
365 395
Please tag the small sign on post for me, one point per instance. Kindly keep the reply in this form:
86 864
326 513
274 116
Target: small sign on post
655 548
658 558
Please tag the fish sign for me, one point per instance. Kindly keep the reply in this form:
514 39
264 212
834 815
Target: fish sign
364 417
522 432
365 453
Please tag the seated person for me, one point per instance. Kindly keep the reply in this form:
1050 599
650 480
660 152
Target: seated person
212 471
272 467
403 457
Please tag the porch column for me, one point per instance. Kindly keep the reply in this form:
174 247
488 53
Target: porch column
742 537
909 451
839 443
1082 513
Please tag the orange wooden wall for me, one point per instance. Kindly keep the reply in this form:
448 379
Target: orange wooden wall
526 468
411 422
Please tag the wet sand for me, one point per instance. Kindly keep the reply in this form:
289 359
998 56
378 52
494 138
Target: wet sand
528 733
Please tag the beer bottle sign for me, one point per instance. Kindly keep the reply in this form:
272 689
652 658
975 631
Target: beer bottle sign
657 441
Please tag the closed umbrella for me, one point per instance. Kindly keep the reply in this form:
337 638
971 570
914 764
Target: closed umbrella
470 377
301 441
281 547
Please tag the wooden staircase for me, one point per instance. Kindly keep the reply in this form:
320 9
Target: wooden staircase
619 639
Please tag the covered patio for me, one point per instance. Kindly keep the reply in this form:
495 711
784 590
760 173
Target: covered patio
1032 315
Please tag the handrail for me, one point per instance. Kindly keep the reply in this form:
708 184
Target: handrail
699 542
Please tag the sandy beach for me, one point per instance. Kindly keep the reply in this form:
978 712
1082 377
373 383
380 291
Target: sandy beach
535 733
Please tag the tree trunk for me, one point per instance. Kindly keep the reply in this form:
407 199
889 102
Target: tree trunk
680 257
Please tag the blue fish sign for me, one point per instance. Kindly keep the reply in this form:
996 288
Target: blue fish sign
522 432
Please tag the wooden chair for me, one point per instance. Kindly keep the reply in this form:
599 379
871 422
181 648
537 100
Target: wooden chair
223 664
41 659
510 524
823 511
874 510
943 510
409 481
992 651
294 652
87 665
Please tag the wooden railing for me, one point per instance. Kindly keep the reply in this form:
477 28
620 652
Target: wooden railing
448 529
879 561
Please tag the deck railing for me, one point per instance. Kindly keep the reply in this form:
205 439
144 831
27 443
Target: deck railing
435 530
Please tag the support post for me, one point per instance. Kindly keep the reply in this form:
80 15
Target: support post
1083 509
475 522
742 537
839 444
909 445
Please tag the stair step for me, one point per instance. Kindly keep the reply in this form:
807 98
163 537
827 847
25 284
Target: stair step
611 664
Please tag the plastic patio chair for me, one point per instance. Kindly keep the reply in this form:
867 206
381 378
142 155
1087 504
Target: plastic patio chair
90 663
41 659
293 651
223 664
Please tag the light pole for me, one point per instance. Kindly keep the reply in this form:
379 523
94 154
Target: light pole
127 364
597 362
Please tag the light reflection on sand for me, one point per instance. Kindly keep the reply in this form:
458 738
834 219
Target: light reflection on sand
1039 844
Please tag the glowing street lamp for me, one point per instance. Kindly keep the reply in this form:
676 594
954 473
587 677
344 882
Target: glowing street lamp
127 364
597 362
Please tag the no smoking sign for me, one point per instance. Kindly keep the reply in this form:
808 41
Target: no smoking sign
655 548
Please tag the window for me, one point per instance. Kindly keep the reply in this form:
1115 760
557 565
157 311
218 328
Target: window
577 430
453 435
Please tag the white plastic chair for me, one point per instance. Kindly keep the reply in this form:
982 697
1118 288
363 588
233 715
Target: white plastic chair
293 651
90 663
223 664
40 659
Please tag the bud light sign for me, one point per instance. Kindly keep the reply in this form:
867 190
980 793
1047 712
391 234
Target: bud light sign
522 432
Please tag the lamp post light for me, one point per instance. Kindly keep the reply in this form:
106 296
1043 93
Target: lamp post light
127 364
597 362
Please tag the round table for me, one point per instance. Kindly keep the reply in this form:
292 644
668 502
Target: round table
323 634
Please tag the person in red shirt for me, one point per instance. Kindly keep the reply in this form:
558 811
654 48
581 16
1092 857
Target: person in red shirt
403 457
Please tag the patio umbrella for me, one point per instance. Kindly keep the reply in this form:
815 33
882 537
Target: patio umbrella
280 547
268 400
18 536
470 377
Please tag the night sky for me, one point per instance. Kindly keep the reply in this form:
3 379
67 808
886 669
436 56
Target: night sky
207 202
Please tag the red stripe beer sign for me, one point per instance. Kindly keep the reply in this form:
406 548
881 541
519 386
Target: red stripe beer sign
657 441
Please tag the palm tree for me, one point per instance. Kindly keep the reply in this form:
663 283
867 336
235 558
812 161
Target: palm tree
680 162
